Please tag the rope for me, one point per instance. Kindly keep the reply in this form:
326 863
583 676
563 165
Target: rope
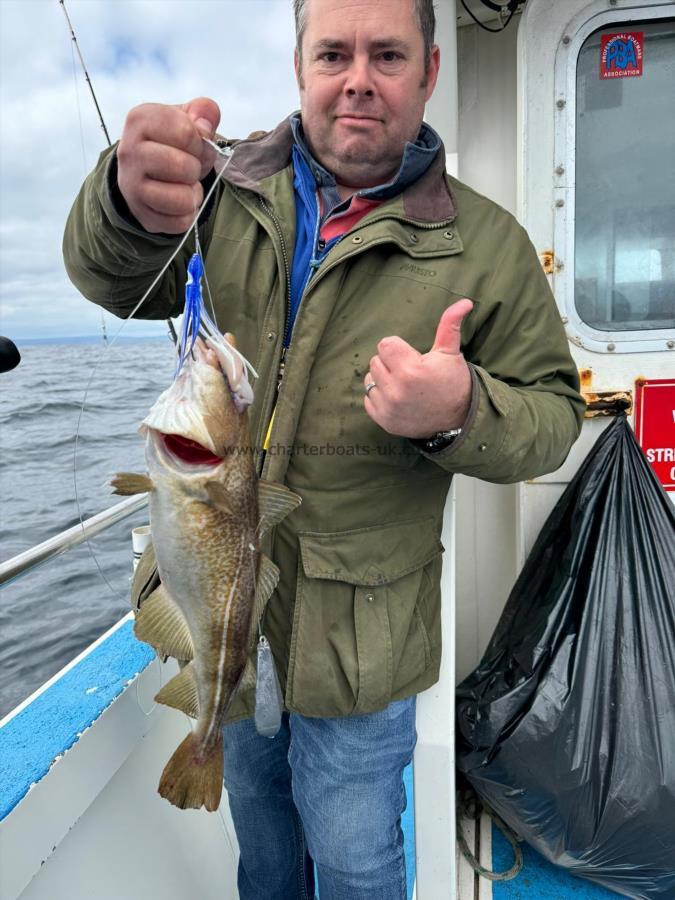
470 806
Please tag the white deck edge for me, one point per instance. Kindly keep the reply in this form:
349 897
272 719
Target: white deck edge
37 825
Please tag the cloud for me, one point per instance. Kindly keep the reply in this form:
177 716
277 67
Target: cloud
237 51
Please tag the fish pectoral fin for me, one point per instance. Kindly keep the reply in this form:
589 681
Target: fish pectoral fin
127 483
160 623
181 692
146 578
247 682
275 502
267 580
219 496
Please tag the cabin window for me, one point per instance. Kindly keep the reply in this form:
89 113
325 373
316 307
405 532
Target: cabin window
625 178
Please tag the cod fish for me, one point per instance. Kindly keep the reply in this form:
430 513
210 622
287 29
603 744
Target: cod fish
208 512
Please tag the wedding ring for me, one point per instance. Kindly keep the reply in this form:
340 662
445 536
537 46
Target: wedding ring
370 386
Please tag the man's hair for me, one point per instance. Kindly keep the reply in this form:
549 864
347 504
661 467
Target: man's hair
424 13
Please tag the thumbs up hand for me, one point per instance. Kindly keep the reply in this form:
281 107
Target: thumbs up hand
418 394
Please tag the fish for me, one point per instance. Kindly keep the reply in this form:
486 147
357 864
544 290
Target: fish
208 513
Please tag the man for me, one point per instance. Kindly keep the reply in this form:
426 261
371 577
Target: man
329 233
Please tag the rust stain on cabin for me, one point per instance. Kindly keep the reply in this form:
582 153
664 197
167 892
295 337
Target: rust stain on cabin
547 260
603 403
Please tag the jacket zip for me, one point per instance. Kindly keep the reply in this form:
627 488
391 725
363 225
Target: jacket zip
287 320
285 349
287 270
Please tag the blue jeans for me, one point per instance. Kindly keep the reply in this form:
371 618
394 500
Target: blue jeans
323 791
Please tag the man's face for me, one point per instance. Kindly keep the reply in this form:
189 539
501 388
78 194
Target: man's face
363 86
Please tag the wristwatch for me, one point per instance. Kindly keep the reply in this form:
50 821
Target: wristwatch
439 441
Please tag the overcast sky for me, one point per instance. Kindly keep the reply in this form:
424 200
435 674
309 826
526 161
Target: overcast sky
239 52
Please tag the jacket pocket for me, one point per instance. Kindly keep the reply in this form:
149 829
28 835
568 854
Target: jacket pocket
359 630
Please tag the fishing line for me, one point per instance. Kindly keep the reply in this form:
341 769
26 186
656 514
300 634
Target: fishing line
226 153
155 704
192 725
206 280
226 831
79 111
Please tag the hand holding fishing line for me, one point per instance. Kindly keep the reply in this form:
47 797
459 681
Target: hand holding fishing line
415 394
162 158
223 159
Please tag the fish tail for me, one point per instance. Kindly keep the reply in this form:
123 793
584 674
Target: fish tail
193 777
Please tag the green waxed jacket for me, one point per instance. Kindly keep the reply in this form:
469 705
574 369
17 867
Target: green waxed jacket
355 619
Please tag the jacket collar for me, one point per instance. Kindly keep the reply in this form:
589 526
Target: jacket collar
416 159
426 200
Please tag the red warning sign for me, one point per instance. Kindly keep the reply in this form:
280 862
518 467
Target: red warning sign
621 54
655 426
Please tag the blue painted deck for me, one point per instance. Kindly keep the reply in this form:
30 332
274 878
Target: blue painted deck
538 879
52 723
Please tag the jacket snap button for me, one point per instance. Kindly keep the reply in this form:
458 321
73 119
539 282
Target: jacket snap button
482 447
414 238
370 598
270 335
448 235
357 240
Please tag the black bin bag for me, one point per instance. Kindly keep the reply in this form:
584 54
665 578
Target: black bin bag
567 727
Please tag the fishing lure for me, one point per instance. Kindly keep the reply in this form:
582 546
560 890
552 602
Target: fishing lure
197 322
193 312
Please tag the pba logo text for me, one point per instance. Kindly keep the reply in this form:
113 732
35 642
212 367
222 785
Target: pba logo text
621 54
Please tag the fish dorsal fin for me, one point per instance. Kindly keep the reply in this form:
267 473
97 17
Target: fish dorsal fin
275 502
267 580
160 623
181 692
219 496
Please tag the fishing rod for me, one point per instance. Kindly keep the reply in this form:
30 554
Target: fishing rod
62 3
84 69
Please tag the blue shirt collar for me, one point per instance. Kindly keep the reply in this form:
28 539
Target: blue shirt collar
417 157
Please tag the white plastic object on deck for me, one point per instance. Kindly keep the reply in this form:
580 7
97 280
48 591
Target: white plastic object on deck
140 539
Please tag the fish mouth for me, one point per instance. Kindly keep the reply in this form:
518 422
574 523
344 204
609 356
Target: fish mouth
184 452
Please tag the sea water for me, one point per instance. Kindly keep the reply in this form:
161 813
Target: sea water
51 614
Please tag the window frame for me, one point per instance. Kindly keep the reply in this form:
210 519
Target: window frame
564 185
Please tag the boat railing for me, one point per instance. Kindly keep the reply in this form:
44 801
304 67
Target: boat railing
24 562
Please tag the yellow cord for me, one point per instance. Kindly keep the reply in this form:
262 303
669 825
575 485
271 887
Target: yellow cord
266 444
